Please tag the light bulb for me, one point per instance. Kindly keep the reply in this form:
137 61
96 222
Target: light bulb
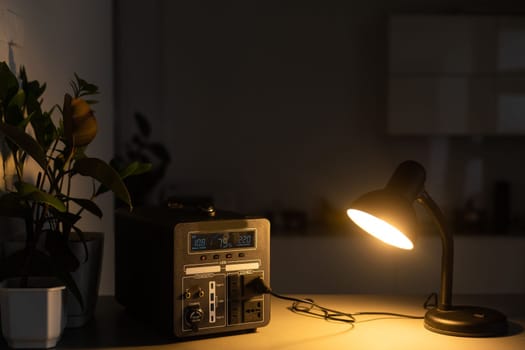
380 229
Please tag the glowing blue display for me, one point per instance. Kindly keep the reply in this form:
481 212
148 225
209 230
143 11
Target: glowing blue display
222 240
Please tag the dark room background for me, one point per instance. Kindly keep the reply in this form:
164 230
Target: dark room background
287 109
281 106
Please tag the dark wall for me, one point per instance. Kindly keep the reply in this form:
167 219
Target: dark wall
278 105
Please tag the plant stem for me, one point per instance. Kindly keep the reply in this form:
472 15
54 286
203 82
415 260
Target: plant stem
47 173
69 175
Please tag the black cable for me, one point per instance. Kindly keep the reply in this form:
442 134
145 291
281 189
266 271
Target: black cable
431 301
308 306
311 308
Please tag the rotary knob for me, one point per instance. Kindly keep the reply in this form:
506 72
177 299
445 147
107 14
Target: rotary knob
194 316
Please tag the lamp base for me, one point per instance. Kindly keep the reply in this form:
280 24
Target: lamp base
466 321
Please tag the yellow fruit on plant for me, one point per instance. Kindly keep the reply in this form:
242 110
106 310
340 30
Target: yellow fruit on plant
80 107
84 123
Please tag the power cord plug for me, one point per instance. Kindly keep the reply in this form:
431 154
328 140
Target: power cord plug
258 286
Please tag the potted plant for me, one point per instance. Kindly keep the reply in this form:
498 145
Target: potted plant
48 157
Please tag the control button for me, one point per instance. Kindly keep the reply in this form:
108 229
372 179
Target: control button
216 256
242 255
203 257
229 256
193 316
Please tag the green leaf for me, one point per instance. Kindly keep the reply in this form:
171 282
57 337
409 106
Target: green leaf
85 87
45 130
8 83
88 205
25 142
33 88
14 115
31 192
18 99
67 218
135 168
132 169
105 174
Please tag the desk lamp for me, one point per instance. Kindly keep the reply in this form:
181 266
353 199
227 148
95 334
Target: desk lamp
388 215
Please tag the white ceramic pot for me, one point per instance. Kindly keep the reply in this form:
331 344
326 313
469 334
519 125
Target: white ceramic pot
35 316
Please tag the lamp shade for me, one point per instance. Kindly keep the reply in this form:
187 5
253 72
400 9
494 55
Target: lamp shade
386 215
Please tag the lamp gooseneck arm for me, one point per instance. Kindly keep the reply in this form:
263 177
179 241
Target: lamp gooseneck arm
447 257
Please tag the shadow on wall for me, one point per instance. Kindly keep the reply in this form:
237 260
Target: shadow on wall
141 149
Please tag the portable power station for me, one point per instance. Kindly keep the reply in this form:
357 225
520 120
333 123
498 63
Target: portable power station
188 271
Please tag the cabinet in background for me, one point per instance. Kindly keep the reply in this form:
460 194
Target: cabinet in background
456 75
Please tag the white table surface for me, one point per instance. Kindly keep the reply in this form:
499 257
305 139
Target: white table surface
113 328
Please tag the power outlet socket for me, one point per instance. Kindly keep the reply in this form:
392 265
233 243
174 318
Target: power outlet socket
252 311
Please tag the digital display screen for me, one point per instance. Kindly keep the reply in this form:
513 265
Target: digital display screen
222 240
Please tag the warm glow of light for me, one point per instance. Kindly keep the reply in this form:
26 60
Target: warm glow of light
380 229
7 171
